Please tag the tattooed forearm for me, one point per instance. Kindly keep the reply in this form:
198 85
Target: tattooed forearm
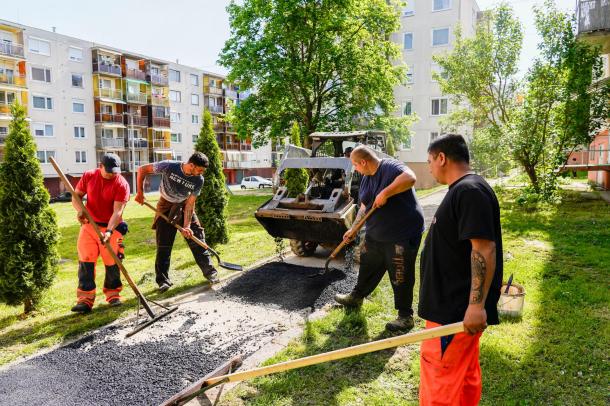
478 271
360 214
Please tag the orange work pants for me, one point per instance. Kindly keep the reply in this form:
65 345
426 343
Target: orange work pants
89 249
451 377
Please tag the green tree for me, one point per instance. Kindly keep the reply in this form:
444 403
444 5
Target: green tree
296 178
211 205
28 226
320 63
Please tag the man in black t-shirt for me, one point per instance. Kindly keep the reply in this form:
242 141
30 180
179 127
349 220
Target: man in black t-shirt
393 233
461 274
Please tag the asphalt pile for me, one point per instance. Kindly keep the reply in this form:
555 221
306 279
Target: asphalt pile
104 368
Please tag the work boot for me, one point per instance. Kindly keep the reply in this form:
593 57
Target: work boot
212 276
349 300
164 287
81 308
402 323
115 302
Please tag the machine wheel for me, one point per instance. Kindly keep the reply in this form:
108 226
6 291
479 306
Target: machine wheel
303 248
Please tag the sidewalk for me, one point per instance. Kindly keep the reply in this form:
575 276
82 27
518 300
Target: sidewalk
605 194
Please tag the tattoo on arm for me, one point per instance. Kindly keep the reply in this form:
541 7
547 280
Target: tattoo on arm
478 271
360 214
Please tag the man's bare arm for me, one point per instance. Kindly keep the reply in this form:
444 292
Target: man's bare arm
143 171
403 182
483 267
80 216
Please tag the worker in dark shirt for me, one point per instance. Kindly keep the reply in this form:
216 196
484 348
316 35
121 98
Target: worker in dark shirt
393 233
461 274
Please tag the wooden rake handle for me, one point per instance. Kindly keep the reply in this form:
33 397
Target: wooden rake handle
356 228
342 353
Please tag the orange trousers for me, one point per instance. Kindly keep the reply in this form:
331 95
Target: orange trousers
89 249
453 376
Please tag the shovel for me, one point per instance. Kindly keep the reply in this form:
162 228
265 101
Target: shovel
226 265
343 243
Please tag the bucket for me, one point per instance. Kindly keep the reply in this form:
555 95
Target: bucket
511 303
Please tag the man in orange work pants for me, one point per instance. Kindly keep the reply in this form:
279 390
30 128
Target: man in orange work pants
107 194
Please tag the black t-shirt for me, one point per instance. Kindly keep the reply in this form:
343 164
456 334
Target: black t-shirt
401 218
470 210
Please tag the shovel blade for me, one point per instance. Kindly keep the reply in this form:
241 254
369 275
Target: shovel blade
232 267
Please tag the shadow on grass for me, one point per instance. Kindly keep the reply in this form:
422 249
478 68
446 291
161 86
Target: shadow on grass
562 346
294 387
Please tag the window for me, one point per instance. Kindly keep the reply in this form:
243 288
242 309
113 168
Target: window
440 36
41 74
3 131
411 75
195 136
174 117
438 5
44 156
43 130
408 41
439 107
174 75
178 157
75 54
176 137
195 99
42 103
194 119
81 157
77 80
107 133
407 109
409 8
439 71
194 80
105 84
78 106
407 143
79 132
39 46
175 96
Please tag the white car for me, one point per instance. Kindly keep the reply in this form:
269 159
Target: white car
255 182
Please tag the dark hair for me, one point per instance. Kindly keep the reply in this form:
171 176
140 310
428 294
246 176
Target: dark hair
199 159
452 145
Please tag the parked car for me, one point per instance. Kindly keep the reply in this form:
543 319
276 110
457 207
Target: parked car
255 182
62 197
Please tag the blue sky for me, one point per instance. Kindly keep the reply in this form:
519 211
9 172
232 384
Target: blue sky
188 30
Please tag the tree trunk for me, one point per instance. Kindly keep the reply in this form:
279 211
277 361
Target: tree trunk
531 172
28 305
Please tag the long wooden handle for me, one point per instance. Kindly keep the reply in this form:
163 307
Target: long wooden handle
113 254
343 353
355 228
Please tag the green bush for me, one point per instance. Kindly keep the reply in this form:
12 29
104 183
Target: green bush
28 226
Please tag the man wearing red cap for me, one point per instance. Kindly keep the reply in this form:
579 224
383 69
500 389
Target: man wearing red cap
107 194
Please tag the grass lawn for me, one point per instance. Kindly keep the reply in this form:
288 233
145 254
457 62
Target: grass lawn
556 354
53 322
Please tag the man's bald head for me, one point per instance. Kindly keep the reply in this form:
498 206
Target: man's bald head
363 152
364 160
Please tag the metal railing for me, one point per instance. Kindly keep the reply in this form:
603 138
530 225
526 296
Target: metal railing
212 90
158 79
161 144
16 79
215 109
246 147
133 119
160 122
159 100
137 143
593 15
5 108
108 118
116 94
126 166
135 74
102 142
11 49
141 98
111 69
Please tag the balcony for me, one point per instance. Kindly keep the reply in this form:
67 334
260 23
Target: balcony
109 93
160 122
161 143
14 79
107 68
10 49
215 109
219 127
231 146
593 16
159 100
246 147
135 74
159 80
126 166
137 143
230 94
5 108
139 121
137 98
109 118
212 90
114 143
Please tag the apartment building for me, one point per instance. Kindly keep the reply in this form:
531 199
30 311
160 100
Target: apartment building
84 99
428 29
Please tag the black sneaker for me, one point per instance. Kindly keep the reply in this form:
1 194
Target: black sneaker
349 300
164 287
402 324
115 302
212 277
81 308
